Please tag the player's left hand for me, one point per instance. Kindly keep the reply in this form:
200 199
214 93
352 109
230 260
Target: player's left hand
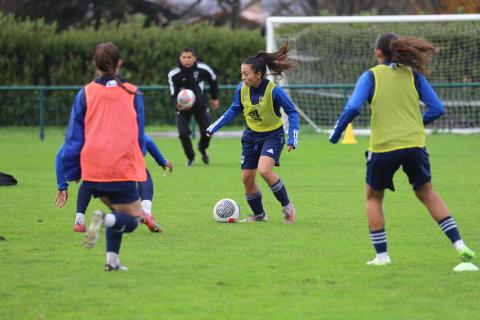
62 196
168 165
214 104
290 147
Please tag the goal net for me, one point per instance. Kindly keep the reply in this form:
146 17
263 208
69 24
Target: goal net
332 52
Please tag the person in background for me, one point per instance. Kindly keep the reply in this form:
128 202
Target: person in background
192 74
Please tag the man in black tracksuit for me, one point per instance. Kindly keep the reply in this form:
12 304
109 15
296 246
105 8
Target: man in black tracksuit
190 74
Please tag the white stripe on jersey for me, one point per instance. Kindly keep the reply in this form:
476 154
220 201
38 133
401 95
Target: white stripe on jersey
212 126
295 138
170 79
209 70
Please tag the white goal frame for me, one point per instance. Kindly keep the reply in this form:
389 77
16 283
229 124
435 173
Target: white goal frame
274 20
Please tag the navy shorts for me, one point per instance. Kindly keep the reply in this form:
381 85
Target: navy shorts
256 144
122 192
382 166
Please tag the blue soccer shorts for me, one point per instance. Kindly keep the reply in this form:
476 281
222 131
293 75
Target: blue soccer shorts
382 166
252 148
123 192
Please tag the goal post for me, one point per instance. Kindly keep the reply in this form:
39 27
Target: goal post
332 52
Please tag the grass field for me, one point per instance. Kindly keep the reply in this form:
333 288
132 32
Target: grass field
200 269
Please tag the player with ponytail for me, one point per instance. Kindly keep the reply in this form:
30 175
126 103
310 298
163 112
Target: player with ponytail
260 101
104 147
393 89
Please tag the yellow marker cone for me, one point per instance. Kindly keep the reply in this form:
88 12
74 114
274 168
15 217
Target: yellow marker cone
349 137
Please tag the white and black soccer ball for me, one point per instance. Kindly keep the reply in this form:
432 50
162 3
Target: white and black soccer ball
186 98
226 210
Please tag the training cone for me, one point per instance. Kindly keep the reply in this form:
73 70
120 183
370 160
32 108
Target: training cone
349 137
465 266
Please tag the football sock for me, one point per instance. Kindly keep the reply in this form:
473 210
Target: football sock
83 198
80 218
280 192
146 188
116 224
255 203
449 227
147 206
114 240
379 240
120 222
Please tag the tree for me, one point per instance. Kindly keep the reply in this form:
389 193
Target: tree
78 13
340 7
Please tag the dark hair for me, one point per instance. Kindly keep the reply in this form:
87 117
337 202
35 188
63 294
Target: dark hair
410 51
188 49
106 57
277 61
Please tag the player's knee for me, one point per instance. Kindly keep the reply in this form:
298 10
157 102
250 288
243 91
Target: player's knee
248 180
424 193
423 196
265 172
184 135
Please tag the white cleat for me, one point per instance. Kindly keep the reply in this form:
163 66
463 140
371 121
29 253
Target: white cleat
380 261
289 214
255 218
91 236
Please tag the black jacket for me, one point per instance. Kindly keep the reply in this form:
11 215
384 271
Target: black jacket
193 78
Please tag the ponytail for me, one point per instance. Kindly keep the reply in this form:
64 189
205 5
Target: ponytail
277 61
410 51
106 57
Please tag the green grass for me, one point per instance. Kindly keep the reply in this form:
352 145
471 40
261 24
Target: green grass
200 269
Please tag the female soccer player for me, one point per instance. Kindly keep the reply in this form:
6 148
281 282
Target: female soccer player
84 195
393 88
260 100
104 147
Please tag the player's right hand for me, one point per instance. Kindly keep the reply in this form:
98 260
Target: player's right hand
168 165
180 108
61 199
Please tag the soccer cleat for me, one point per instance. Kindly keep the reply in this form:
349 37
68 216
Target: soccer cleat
79 228
289 214
190 163
91 236
149 221
380 261
255 218
119 267
205 157
466 254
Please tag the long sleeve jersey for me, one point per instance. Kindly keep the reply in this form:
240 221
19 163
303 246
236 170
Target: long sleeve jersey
364 90
280 100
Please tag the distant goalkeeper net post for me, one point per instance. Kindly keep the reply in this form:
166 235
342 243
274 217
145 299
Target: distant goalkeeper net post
332 52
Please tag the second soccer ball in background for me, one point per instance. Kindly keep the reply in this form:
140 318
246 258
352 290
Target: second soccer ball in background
186 98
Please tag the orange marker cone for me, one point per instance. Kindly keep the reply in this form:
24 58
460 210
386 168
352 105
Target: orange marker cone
349 137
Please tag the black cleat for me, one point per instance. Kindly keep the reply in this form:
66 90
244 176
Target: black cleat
205 157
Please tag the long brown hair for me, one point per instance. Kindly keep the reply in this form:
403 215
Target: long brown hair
410 51
106 57
277 61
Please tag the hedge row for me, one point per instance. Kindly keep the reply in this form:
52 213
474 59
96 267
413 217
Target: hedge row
32 52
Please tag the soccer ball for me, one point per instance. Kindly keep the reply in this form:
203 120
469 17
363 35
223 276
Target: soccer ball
226 210
186 98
